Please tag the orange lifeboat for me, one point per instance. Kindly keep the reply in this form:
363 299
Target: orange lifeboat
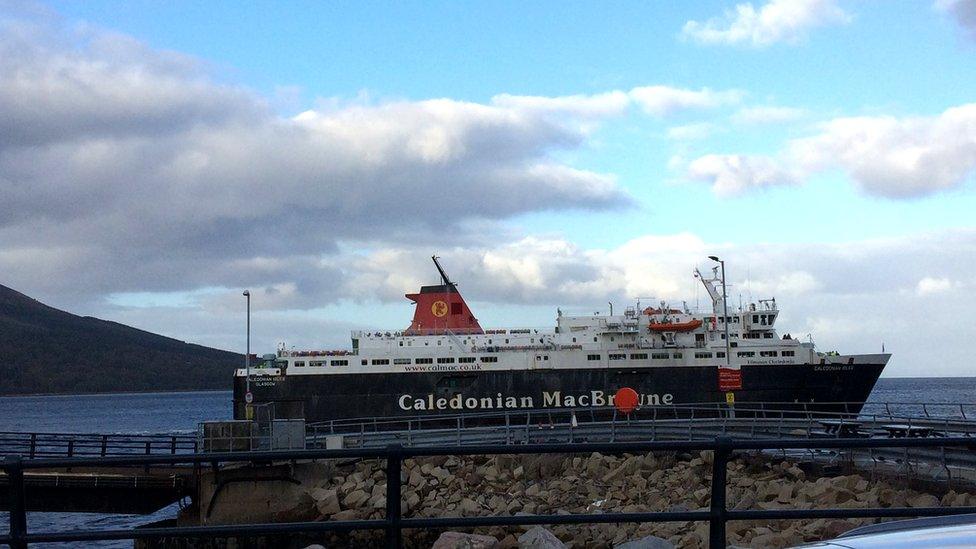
675 326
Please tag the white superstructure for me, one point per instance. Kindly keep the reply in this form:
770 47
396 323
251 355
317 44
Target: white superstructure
648 338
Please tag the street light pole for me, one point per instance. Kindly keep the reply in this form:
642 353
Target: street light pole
247 357
725 312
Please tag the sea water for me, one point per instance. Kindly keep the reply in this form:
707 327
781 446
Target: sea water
179 413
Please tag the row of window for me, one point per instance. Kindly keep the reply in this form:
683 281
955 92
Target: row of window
301 363
484 359
654 356
386 361
766 353
665 356
466 341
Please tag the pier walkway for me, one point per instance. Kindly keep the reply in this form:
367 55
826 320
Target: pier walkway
99 489
143 490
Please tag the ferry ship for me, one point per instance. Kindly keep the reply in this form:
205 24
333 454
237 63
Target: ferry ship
446 363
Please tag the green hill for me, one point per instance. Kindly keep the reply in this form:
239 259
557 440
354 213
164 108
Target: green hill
45 350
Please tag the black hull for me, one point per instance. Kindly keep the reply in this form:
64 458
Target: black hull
344 396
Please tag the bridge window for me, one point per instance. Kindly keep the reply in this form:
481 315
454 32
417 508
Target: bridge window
768 353
638 356
380 361
365 362
317 363
789 353
678 355
424 361
489 359
720 354
340 363
466 359
401 361
660 356
614 356
703 355
745 353
445 360
300 363
592 357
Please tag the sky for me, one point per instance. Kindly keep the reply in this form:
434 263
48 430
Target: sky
156 159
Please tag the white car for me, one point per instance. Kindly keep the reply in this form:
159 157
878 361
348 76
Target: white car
943 532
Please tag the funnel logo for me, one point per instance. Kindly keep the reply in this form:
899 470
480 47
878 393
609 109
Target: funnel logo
439 308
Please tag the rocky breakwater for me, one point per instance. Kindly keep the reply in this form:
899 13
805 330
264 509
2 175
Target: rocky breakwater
564 484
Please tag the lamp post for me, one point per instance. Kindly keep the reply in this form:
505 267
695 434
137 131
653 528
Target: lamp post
725 312
247 357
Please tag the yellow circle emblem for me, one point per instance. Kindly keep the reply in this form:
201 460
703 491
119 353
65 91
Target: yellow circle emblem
439 308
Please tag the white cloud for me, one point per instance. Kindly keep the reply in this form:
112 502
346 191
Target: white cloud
963 11
791 284
767 115
692 132
665 100
658 100
138 172
734 174
894 157
127 169
930 285
600 105
883 155
775 21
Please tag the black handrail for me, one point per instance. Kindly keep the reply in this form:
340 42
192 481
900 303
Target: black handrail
37 445
717 515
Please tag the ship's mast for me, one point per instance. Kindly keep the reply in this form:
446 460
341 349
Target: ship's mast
447 281
711 286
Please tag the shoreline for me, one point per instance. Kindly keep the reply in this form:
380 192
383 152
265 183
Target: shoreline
116 393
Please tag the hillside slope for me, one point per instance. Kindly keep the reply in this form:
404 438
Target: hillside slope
45 350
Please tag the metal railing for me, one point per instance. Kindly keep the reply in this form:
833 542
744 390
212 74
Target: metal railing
43 445
670 422
876 411
717 515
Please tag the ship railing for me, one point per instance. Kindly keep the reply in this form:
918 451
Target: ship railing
723 449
